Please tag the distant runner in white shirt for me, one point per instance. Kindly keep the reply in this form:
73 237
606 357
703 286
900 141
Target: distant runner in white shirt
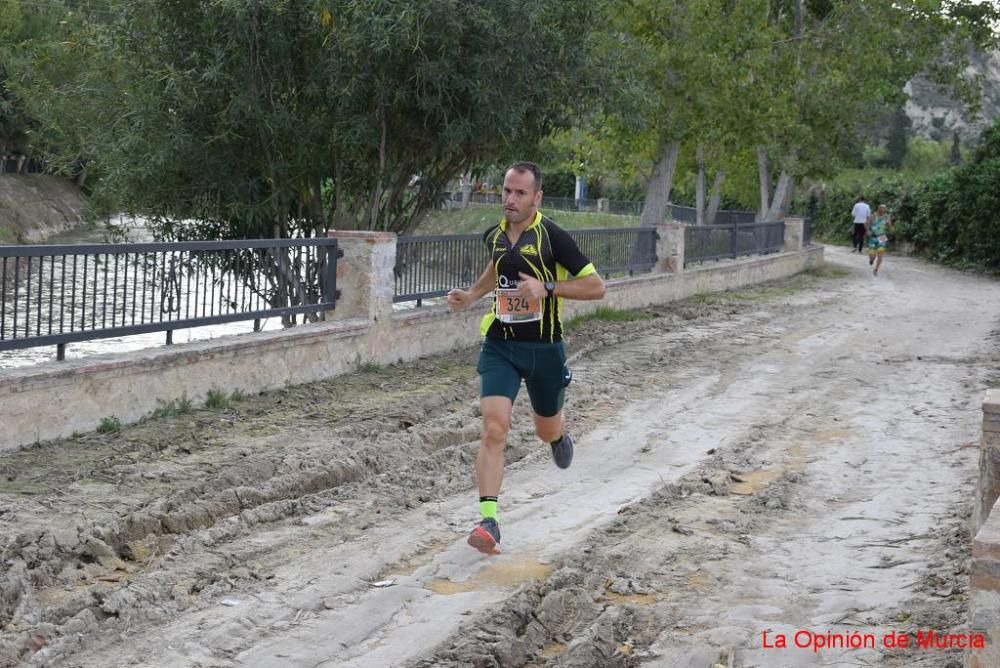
861 213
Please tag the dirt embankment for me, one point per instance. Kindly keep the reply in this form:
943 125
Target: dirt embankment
34 207
772 459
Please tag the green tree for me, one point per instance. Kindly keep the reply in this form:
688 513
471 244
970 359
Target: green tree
59 79
250 118
789 81
948 217
899 139
22 25
955 157
835 64
689 63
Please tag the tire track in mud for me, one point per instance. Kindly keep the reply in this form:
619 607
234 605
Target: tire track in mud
635 574
126 564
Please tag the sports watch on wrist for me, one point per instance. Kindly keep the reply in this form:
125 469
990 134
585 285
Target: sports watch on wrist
550 288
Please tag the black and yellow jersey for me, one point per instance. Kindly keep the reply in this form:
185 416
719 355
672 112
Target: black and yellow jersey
547 252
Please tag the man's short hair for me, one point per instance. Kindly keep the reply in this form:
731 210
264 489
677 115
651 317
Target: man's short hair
525 166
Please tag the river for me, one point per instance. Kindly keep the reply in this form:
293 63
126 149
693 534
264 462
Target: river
137 233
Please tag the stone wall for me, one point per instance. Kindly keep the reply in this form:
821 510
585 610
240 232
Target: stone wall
58 398
34 207
984 586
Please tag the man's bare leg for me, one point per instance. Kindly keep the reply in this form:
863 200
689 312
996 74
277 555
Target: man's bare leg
549 428
496 425
496 412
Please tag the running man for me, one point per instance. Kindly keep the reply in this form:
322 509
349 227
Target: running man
534 265
878 229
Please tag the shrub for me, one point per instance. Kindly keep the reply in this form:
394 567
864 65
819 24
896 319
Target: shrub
949 217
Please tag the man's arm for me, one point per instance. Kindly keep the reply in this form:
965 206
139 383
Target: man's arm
459 299
484 284
587 287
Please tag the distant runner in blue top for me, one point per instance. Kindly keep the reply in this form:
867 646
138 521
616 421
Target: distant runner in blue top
878 229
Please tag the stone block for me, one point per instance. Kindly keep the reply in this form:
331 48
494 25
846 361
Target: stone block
670 248
794 234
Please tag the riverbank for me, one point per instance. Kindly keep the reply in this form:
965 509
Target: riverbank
34 207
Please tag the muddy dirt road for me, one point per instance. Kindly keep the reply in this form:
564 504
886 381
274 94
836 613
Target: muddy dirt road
793 457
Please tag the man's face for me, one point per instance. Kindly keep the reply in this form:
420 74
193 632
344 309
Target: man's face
520 198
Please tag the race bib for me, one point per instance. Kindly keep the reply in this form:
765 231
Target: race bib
512 307
882 238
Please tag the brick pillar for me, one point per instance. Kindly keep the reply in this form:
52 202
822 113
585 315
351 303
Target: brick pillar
984 593
670 248
364 275
794 233
988 485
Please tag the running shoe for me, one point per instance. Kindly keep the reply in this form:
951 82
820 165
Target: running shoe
562 451
486 536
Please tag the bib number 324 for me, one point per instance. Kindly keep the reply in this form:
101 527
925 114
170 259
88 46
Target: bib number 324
511 306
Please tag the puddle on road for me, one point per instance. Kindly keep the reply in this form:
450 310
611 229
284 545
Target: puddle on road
495 575
552 650
424 555
635 599
796 458
754 481
829 435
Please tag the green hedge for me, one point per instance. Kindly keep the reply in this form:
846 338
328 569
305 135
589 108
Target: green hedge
953 217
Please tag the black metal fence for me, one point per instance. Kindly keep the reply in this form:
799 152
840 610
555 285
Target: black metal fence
429 266
807 232
689 215
675 212
715 242
631 250
53 295
557 203
23 166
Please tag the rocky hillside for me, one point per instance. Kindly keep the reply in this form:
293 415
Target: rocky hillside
936 115
34 207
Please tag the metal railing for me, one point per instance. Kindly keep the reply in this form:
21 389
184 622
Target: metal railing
429 266
674 212
23 166
570 204
61 294
689 215
623 207
715 242
631 250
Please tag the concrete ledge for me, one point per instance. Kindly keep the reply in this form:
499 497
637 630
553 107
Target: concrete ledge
55 399
984 592
988 483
